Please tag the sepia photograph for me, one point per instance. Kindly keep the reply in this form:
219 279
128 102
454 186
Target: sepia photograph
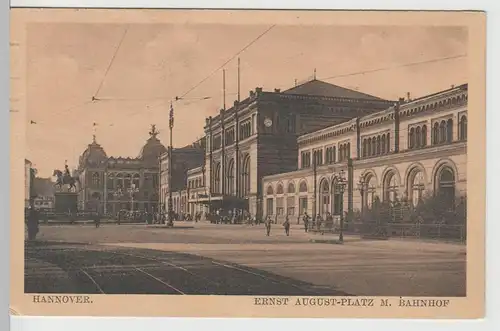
299 163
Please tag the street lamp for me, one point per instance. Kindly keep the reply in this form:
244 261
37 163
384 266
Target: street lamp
361 188
131 190
340 186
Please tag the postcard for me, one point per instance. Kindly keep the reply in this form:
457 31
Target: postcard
233 163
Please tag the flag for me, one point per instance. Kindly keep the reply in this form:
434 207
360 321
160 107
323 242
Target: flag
171 118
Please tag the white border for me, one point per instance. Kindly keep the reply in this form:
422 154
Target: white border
124 324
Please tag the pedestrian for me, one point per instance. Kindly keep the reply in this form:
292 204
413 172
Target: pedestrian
97 219
286 224
33 219
268 225
319 220
305 218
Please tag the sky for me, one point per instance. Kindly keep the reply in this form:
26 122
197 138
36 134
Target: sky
135 70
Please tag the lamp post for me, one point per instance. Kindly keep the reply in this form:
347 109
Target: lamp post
361 188
341 184
118 194
131 190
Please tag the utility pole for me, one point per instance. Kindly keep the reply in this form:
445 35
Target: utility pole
170 155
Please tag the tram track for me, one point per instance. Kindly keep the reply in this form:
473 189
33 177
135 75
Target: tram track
101 270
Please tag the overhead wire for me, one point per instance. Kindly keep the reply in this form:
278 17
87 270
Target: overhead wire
111 62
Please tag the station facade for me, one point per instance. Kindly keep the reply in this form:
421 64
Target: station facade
412 149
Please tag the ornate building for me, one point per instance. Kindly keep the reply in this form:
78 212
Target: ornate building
116 183
257 137
412 148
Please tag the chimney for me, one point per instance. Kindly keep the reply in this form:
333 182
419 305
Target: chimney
401 100
408 96
452 85
277 90
251 93
258 90
236 103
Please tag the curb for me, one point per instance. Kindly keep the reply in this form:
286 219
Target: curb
326 241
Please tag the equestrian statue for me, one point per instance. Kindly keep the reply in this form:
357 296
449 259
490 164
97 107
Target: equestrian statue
65 178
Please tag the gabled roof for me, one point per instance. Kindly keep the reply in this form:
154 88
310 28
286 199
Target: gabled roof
319 88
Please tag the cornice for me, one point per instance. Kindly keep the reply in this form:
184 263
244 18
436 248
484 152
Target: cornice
414 154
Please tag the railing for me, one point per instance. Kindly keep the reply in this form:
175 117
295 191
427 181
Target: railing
446 232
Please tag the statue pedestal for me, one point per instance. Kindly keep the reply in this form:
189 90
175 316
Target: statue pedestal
65 202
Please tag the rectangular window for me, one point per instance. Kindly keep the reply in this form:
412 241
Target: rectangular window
302 205
305 159
290 205
280 210
217 142
270 207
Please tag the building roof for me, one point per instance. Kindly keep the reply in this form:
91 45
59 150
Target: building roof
94 154
153 148
26 161
319 88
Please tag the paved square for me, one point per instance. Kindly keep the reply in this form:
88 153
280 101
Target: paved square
359 267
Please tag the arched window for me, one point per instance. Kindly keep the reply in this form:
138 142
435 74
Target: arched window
374 146
217 178
416 187
378 145
245 176
325 197
424 135
383 144
463 128
230 178
96 179
111 181
446 187
337 198
334 154
435 134
348 151
449 131
270 190
303 187
369 152
418 138
136 180
388 149
364 147
391 187
291 188
412 138
119 181
128 180
279 190
442 132
371 191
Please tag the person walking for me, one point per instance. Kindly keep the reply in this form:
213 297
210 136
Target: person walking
268 225
305 219
97 219
286 225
